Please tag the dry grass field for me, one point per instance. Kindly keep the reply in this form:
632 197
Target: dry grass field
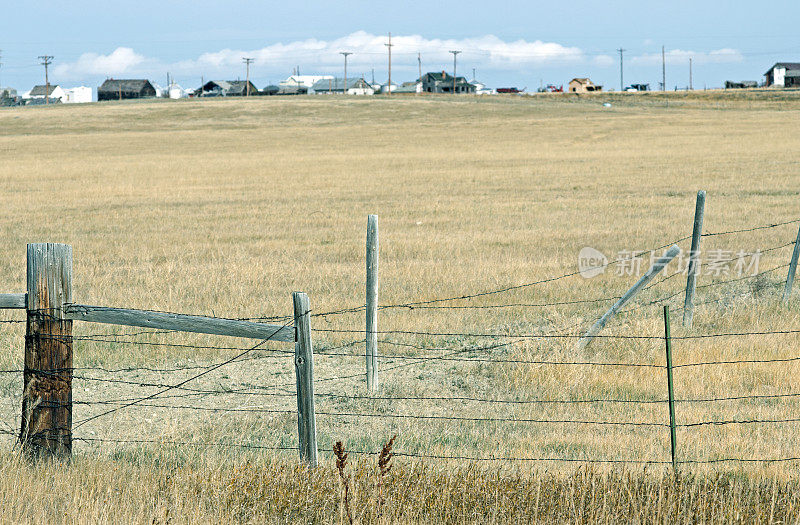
224 207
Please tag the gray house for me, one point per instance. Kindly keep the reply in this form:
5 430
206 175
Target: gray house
443 83
355 86
123 89
227 88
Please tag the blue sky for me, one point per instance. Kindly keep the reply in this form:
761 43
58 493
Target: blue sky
512 43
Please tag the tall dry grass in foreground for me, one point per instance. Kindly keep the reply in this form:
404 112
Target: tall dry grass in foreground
224 207
104 491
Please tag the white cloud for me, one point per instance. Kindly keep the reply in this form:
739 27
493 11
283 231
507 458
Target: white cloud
122 60
315 55
370 49
679 56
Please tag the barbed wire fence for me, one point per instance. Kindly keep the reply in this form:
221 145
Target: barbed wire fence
464 420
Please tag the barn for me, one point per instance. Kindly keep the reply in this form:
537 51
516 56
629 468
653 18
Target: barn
119 89
783 74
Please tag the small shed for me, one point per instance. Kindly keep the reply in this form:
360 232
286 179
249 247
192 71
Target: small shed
123 89
583 85
77 95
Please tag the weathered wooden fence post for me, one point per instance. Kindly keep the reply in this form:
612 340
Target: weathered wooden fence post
372 303
787 291
47 377
673 440
304 371
694 256
654 270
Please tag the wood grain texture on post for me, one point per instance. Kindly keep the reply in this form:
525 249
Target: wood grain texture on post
47 395
694 259
372 303
304 372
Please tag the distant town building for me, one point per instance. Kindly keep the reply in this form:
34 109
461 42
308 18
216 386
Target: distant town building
334 86
783 74
306 81
293 90
77 95
481 89
408 87
633 88
583 85
123 89
443 83
7 92
38 92
270 90
744 84
389 87
227 88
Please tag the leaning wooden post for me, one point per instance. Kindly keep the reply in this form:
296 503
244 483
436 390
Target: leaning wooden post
787 291
47 378
673 441
694 257
304 371
654 270
372 303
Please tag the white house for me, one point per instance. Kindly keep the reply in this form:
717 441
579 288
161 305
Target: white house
77 95
481 89
783 74
56 93
307 81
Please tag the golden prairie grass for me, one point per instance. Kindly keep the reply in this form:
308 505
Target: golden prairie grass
267 491
224 207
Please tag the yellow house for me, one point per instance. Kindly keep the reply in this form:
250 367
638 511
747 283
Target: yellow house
583 85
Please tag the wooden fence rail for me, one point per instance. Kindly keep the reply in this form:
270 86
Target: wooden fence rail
46 428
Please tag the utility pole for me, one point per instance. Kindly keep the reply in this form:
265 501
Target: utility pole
455 54
419 63
663 69
247 62
389 45
345 54
1 65
690 74
46 61
621 83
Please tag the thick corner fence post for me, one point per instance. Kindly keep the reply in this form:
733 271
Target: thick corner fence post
654 270
670 390
787 291
304 371
372 303
694 257
47 378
